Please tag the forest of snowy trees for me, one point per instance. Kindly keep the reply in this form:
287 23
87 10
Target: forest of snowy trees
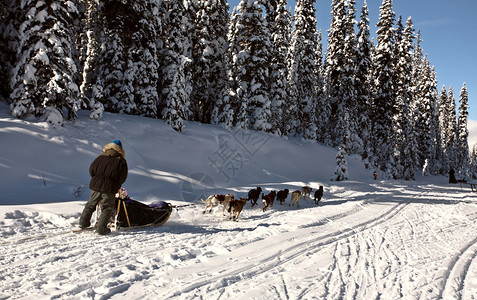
258 68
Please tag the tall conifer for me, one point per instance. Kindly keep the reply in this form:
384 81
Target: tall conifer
44 82
363 81
463 133
383 109
303 72
279 87
208 54
175 58
254 47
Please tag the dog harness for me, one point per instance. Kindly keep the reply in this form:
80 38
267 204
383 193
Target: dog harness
221 198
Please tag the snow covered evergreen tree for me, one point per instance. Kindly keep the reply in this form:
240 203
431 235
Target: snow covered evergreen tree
335 69
208 55
131 81
9 19
253 59
462 154
425 99
174 60
443 119
323 108
90 92
451 130
436 131
143 56
363 81
341 171
112 86
279 87
406 153
43 81
227 111
223 111
383 108
473 163
448 130
354 144
303 72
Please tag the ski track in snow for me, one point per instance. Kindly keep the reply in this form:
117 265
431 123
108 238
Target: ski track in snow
367 249
367 239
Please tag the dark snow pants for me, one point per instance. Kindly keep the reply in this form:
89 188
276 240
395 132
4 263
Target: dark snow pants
107 201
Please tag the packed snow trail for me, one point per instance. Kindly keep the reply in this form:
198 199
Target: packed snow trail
383 246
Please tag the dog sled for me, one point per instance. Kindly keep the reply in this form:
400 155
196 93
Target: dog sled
134 214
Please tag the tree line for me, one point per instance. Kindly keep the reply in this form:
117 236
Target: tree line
259 67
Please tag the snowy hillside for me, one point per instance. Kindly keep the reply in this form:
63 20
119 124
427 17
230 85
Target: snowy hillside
51 165
367 239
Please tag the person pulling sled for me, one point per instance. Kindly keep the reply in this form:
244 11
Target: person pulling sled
108 172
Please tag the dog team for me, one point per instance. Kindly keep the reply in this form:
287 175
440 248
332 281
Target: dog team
234 206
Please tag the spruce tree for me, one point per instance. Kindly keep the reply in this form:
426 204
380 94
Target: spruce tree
254 47
322 104
174 65
348 97
425 124
279 87
341 171
363 81
112 85
443 119
463 134
473 163
436 132
209 60
43 81
405 158
303 71
10 16
335 69
143 54
232 56
224 108
90 92
383 109
451 130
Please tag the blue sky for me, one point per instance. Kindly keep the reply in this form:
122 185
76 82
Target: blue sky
447 30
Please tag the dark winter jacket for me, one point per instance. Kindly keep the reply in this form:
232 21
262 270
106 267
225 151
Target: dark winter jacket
109 170
452 176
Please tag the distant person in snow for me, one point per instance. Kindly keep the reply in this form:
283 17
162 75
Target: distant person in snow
452 176
108 172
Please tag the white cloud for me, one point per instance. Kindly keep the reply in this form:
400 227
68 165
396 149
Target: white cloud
435 22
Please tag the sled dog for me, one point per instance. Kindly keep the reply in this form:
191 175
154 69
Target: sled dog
295 198
235 207
282 195
306 191
253 195
318 194
215 200
268 199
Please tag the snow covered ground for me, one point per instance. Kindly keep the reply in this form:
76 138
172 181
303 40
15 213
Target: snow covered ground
367 239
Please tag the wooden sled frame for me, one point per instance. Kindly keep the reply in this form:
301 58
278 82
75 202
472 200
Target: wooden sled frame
115 227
